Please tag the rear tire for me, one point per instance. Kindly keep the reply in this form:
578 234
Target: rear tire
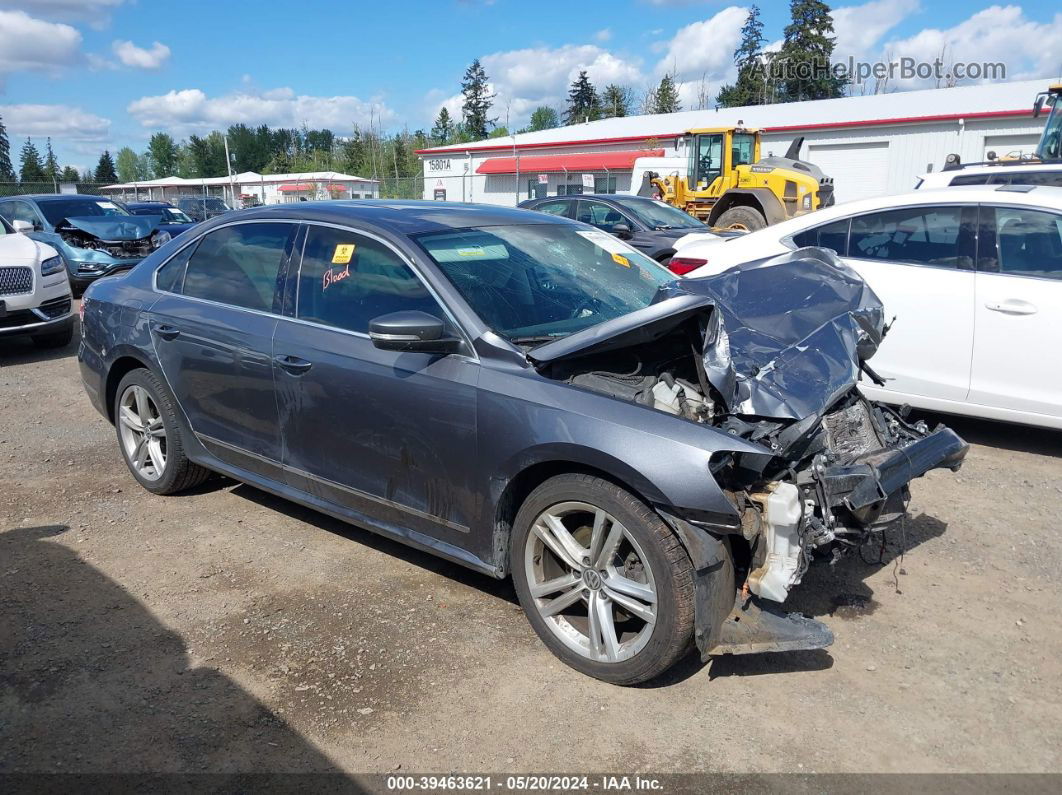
60 339
618 610
741 217
149 436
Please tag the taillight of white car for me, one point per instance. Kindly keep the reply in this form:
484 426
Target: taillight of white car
680 266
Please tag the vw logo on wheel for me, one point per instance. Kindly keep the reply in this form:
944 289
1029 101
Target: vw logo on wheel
591 579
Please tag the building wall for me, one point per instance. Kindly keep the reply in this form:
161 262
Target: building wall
869 161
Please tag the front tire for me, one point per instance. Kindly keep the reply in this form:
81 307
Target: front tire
747 218
149 436
603 581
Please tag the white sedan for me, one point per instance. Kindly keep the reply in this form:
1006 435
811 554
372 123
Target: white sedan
973 276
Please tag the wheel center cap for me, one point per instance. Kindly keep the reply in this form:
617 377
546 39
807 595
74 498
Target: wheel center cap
591 579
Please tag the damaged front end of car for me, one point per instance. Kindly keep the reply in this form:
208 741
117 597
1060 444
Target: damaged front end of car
771 353
95 246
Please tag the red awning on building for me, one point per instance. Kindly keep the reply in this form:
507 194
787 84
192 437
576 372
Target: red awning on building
295 187
575 163
335 187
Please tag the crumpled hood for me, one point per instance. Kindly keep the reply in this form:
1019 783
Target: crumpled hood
783 337
125 227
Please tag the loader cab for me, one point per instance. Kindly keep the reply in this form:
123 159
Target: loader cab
715 153
1050 146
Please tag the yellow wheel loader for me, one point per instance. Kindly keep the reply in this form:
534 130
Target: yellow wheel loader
727 184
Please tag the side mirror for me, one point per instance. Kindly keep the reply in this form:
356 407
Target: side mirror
412 331
21 227
1038 106
622 231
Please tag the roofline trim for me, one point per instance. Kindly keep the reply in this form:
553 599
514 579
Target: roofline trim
987 114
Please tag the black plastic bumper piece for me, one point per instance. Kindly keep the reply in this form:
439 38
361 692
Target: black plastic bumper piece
756 627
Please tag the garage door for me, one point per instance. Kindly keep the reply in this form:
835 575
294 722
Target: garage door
859 171
1004 145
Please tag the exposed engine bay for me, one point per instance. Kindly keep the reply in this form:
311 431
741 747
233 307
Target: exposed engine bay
772 353
119 237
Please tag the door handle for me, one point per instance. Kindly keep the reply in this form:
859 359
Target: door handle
1012 306
293 364
166 331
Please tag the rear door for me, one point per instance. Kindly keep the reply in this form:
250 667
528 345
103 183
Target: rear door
1019 311
919 261
212 330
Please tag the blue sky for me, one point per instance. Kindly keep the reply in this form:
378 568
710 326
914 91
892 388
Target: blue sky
97 74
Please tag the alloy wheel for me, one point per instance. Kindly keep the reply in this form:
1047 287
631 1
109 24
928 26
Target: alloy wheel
591 582
143 433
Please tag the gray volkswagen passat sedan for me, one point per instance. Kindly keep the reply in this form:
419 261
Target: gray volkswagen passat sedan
654 463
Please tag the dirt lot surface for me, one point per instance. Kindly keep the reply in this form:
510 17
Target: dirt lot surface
226 630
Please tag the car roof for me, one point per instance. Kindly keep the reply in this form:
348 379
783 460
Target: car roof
1000 167
1043 195
49 197
402 216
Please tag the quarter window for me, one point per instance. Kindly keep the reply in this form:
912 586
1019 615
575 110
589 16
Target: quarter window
170 276
1022 242
939 236
554 208
834 235
239 265
347 279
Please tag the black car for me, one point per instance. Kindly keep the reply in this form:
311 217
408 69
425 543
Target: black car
653 462
202 208
651 226
174 221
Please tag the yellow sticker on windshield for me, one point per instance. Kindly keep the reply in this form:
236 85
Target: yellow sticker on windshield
619 259
344 253
471 251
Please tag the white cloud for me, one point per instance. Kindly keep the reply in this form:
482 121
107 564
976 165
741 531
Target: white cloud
190 110
603 35
58 121
858 29
28 44
705 48
140 58
96 12
996 34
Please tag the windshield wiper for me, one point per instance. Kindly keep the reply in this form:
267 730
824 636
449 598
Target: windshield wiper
536 339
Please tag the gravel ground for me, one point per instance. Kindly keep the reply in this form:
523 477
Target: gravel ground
227 630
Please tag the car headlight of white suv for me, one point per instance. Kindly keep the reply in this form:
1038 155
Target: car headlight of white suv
52 265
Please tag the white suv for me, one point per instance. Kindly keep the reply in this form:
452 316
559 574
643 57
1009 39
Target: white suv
35 298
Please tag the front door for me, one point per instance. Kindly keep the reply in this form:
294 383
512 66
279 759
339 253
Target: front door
391 435
212 330
919 261
1019 311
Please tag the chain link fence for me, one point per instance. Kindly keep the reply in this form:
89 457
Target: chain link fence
28 188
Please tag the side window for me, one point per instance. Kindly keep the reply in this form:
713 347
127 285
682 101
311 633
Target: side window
239 265
970 179
22 211
833 235
601 215
5 211
553 208
1039 178
170 277
347 279
1020 241
939 236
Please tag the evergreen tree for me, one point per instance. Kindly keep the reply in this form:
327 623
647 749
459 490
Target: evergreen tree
583 103
32 170
69 175
748 89
804 59
105 173
665 97
51 165
7 172
478 101
443 129
543 118
616 101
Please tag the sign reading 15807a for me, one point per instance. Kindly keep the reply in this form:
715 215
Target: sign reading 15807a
439 165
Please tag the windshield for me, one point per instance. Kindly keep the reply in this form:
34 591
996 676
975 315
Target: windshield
1050 147
211 205
169 214
657 214
56 211
536 282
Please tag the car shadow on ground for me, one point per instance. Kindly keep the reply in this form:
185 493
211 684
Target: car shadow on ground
91 682
22 350
499 589
1001 435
